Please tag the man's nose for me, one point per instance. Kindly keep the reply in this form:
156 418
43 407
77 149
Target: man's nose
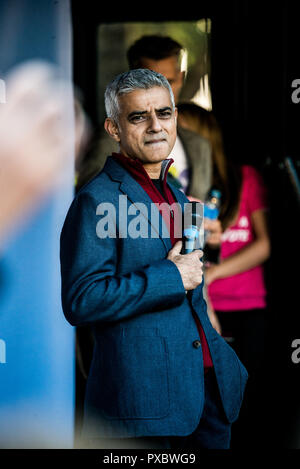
154 124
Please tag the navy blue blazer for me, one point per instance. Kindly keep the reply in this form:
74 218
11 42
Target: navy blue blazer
146 376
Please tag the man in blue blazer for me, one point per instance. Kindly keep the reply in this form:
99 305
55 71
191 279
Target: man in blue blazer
159 368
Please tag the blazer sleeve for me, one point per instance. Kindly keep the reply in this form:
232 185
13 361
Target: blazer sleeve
92 290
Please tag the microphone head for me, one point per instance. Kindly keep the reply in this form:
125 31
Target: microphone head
193 232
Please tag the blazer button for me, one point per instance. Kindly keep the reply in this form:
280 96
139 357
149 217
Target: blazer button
196 343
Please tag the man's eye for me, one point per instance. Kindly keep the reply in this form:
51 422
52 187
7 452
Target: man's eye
136 118
165 114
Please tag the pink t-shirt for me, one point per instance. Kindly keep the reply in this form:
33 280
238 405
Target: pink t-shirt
247 289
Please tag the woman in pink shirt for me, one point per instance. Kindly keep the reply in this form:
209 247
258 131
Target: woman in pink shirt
237 282
236 285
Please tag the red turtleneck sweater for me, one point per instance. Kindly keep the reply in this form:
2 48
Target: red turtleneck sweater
136 169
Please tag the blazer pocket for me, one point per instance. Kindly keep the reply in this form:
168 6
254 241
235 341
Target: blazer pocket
233 376
134 376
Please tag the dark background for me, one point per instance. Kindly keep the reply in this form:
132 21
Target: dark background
254 59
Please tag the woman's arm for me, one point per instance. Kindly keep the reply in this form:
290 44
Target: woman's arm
252 255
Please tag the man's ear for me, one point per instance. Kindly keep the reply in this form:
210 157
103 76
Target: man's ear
176 115
182 73
112 129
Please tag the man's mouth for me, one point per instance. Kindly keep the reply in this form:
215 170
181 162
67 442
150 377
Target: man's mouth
155 141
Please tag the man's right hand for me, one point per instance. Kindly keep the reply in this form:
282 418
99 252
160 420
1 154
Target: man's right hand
189 266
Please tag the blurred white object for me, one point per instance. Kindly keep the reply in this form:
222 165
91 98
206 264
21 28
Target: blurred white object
37 135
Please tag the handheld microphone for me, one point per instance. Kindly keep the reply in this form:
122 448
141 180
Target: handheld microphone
193 233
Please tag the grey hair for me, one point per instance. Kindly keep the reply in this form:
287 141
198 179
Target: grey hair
140 78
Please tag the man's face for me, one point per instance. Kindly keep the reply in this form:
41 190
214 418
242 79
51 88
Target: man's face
147 125
168 67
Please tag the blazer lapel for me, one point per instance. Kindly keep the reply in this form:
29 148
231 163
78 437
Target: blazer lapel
138 197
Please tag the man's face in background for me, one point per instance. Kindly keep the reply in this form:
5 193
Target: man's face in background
168 67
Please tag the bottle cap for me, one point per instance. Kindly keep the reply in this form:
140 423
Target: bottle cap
215 193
